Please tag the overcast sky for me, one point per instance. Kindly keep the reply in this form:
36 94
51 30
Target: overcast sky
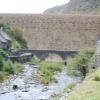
28 6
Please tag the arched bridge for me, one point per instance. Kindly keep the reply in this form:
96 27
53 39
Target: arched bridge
43 54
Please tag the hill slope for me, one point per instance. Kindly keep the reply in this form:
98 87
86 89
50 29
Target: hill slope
76 6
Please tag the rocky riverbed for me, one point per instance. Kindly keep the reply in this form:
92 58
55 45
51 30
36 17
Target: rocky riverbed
30 89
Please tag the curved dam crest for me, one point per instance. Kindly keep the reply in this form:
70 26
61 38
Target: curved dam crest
62 32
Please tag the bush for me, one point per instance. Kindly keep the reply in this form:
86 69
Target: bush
48 69
17 68
4 53
14 34
96 78
12 68
15 44
80 62
69 87
89 89
3 76
93 76
17 35
8 67
1 63
35 60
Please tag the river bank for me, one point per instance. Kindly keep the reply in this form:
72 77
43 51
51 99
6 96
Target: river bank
31 89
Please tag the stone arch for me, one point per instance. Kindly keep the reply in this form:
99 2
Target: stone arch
54 57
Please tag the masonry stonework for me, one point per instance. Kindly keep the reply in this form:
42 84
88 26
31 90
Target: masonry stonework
48 32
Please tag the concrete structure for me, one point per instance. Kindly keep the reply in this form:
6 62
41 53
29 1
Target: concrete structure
44 54
63 32
97 54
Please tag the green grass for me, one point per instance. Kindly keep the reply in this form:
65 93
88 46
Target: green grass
79 64
47 71
12 68
8 67
15 44
69 87
35 60
89 89
15 34
3 76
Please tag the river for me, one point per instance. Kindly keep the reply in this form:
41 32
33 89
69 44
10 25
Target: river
31 89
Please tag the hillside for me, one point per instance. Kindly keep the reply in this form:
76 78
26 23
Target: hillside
76 6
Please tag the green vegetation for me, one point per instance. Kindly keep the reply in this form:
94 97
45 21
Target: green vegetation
1 63
69 87
89 89
4 53
15 44
47 71
35 60
12 68
76 6
3 76
16 35
79 65
8 67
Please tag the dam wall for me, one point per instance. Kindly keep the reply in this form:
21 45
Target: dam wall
62 32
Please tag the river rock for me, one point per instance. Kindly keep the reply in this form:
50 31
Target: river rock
45 89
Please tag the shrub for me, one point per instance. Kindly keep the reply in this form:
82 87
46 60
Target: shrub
35 60
8 67
4 53
93 76
48 69
80 62
15 44
69 87
1 63
17 35
14 34
96 78
17 68
89 89
12 68
2 76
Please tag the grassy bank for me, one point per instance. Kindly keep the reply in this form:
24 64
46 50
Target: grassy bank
80 64
8 68
89 89
47 71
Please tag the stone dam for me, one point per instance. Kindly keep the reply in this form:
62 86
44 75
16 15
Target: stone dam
51 32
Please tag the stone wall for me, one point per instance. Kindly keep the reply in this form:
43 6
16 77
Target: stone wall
47 32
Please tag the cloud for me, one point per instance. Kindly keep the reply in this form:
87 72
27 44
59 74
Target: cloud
28 6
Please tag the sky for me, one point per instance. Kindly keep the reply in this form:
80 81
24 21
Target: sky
28 6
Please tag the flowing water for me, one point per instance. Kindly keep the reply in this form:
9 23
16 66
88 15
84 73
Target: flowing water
30 89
